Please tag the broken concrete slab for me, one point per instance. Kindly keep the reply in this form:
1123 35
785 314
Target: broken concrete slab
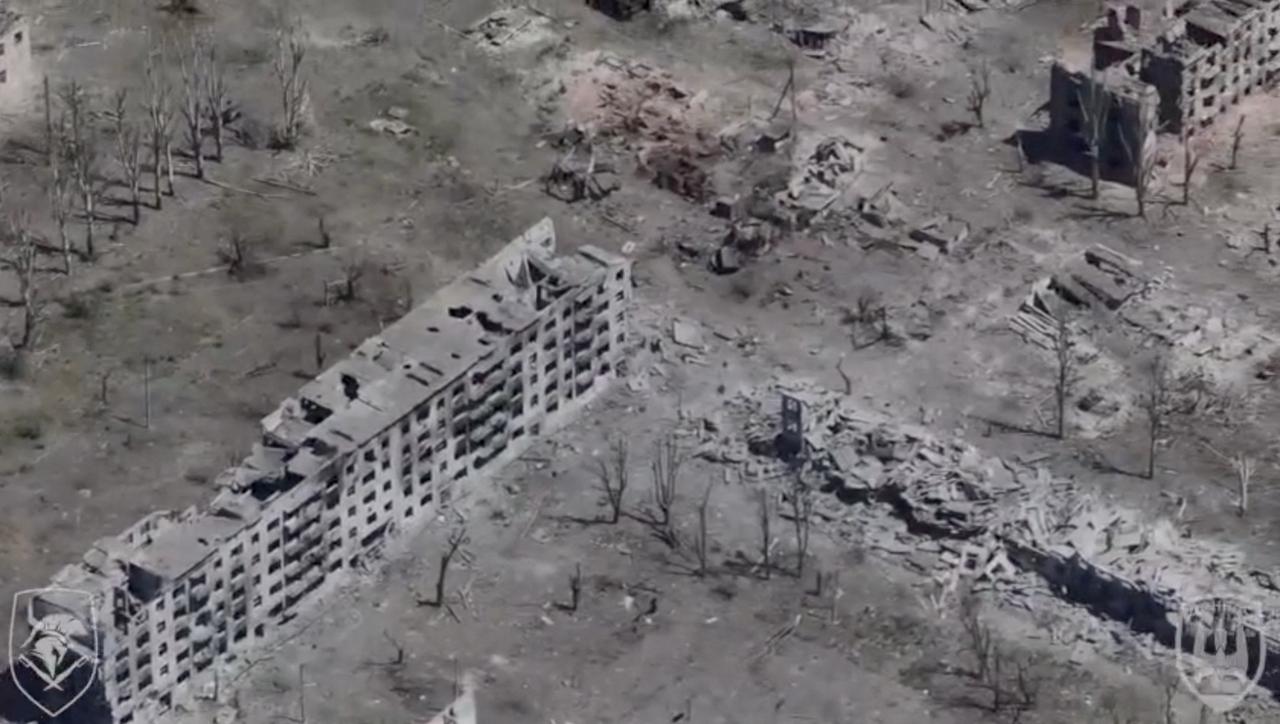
687 333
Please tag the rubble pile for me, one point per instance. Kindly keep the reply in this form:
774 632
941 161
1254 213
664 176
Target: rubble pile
1011 525
823 179
645 110
511 29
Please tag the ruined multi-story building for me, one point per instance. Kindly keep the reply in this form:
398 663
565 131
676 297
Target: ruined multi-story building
376 445
16 68
1182 63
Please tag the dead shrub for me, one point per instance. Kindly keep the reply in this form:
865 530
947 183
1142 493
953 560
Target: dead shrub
900 87
28 426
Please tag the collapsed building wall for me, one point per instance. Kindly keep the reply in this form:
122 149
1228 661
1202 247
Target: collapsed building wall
967 513
376 445
1200 57
1127 106
17 70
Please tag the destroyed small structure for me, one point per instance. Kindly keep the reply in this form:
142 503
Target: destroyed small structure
15 58
621 9
1185 61
376 445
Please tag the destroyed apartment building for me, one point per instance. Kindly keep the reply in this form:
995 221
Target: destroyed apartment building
1178 64
377 444
16 69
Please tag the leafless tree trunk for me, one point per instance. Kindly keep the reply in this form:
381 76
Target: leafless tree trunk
49 140
1243 465
666 479
1155 403
194 72
801 517
1064 351
702 543
979 92
325 239
20 258
216 98
237 255
575 588
1190 159
60 193
289 66
766 533
83 151
160 119
1096 108
1142 159
612 477
128 149
1237 138
978 638
458 538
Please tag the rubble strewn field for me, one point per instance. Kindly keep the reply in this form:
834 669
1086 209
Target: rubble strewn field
812 209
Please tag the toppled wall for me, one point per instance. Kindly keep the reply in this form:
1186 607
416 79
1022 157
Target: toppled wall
373 448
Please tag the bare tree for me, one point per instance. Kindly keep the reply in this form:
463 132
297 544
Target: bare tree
1143 160
575 590
979 92
1155 403
1064 353
801 499
326 240
49 139
215 98
159 107
612 477
765 514
1190 159
1243 465
458 539
978 639
19 257
61 195
237 255
84 154
289 66
128 151
353 270
702 543
666 480
194 72
1096 109
1237 138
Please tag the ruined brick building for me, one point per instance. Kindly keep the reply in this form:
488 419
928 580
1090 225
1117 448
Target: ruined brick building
376 445
16 69
1183 63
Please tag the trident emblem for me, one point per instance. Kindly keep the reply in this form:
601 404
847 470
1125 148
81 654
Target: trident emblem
1227 650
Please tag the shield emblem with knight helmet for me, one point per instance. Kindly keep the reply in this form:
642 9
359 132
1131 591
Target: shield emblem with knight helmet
53 662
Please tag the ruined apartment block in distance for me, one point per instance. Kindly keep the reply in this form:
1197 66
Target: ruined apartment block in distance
1185 62
16 69
377 444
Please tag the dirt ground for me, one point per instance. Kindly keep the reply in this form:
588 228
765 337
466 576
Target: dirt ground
419 209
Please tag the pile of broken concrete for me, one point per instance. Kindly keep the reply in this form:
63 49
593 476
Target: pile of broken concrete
953 508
